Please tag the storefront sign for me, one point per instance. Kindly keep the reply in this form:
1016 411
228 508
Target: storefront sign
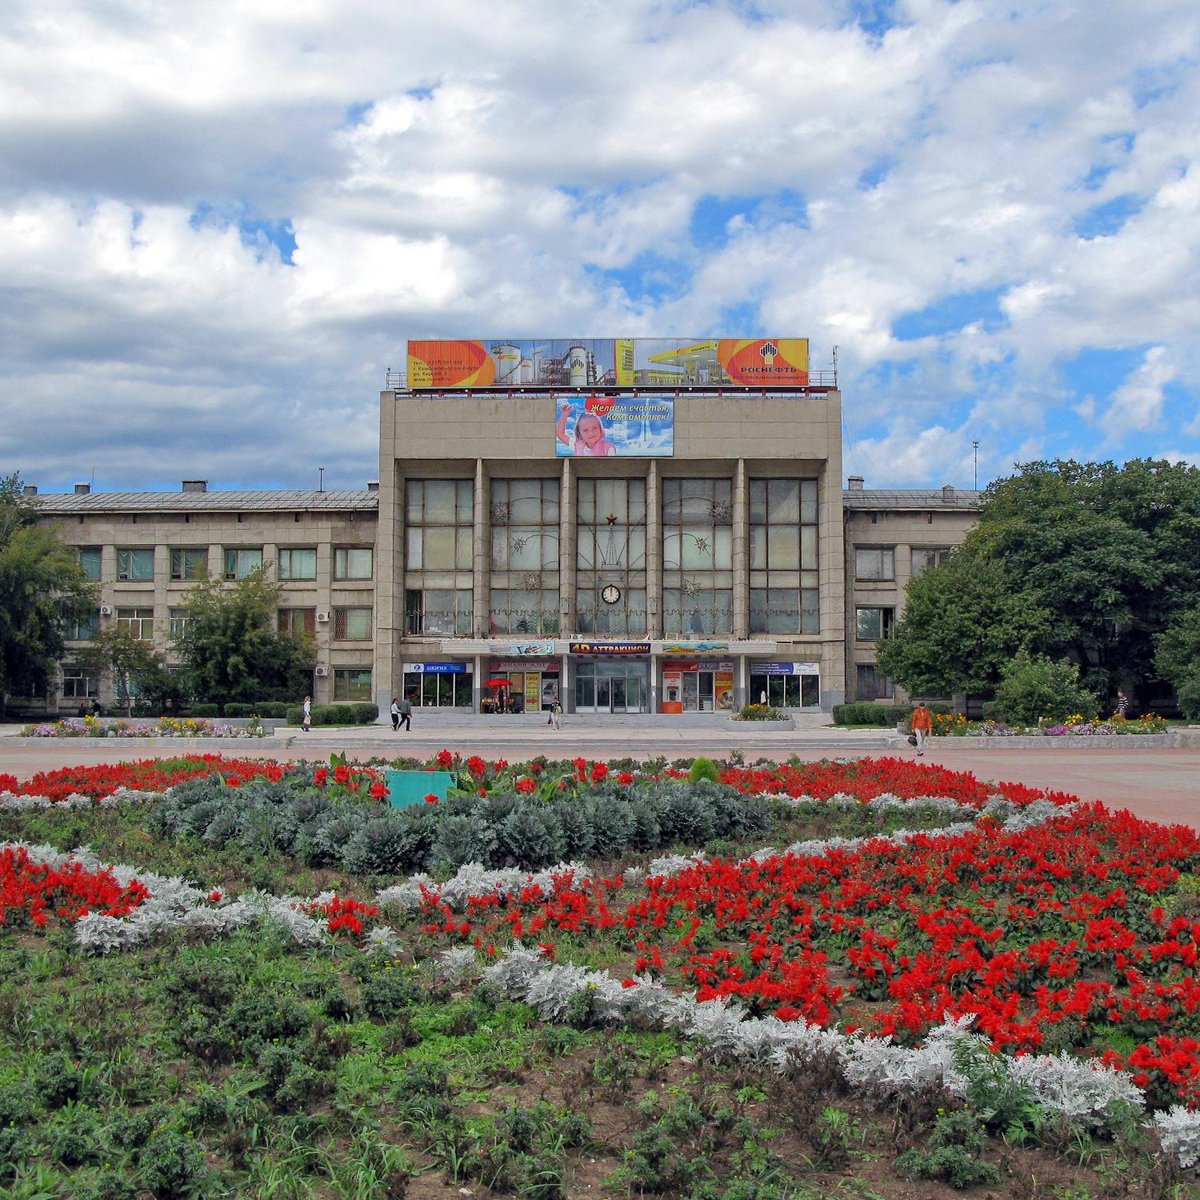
522 649
785 668
605 648
697 666
695 649
436 668
524 664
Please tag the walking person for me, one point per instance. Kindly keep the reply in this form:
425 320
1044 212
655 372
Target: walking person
395 714
556 715
921 724
306 719
404 710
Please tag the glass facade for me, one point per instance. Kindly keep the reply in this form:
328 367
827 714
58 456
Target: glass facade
524 558
610 581
697 560
784 595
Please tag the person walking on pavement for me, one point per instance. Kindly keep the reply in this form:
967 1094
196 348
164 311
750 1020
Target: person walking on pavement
306 719
405 714
556 714
921 723
395 714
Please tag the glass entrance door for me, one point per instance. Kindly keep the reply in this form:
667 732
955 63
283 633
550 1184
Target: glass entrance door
611 687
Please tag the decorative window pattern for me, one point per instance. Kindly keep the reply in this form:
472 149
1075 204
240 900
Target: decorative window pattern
611 556
524 576
784 583
697 536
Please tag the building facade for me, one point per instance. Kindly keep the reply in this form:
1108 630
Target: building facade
701 555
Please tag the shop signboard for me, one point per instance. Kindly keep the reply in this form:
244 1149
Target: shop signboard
435 668
522 649
695 649
609 648
785 668
675 364
523 664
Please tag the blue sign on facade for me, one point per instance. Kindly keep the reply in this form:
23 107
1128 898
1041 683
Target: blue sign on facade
436 668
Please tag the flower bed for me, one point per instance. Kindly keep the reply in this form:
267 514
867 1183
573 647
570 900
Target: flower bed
164 727
1063 933
957 725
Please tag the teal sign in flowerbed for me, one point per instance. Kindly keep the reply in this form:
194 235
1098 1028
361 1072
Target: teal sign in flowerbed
411 787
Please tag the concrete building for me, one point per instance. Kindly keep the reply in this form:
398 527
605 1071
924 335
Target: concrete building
499 561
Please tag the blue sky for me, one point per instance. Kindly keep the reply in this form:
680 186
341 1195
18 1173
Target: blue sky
219 227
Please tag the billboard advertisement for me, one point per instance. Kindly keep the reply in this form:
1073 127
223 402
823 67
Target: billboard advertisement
557 363
605 426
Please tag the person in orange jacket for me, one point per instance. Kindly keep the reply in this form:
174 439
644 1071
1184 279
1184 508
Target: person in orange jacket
921 723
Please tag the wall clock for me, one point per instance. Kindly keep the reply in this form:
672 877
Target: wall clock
611 594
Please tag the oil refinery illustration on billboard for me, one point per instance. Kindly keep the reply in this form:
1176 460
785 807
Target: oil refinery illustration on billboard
608 426
663 363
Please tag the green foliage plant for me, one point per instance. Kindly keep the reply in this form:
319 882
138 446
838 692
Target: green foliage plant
1177 659
1034 688
703 768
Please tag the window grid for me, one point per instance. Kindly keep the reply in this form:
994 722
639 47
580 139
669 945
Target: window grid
352 624
524 557
139 622
297 563
241 562
189 563
784 580
135 565
697 534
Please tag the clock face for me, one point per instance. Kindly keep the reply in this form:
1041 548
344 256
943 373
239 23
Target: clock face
611 594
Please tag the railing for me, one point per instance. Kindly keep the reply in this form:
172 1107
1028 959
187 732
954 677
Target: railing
398 381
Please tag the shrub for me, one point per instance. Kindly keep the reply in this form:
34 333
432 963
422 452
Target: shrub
703 768
1033 687
872 713
240 709
333 714
206 710
762 712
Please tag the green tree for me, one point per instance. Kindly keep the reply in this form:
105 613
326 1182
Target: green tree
962 625
139 676
1111 552
231 650
1178 660
43 591
1036 687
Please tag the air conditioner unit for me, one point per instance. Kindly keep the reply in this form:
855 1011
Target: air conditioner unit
322 617
106 610
320 672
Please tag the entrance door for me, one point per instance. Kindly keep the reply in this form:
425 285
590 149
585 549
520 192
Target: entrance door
603 695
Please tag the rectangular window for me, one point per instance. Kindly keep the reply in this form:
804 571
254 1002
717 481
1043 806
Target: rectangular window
353 562
83 629
352 683
139 622
77 686
297 562
871 685
189 563
442 611
875 563
925 557
297 621
242 562
135 566
610 553
783 554
177 619
352 624
89 560
697 556
872 624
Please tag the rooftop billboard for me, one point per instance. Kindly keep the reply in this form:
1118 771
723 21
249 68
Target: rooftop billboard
583 363
608 426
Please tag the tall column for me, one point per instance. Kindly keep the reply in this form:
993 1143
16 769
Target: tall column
566 550
741 552
654 574
389 561
481 553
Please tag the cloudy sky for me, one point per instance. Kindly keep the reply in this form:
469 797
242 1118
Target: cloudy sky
220 222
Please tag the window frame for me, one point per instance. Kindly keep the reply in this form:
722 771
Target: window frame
233 554
885 568
286 573
887 621
185 554
342 560
127 575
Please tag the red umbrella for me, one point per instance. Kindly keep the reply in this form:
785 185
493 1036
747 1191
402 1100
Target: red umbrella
499 683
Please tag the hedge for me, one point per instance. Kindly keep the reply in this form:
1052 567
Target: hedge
355 713
880 715
260 708
206 710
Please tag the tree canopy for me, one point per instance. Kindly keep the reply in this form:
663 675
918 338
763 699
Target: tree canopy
43 591
1109 554
231 650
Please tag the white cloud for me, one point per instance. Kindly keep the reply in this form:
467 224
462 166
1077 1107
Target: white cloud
518 168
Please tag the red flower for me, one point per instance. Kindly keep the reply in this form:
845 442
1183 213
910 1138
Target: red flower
526 785
431 799
321 776
444 759
341 774
379 791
